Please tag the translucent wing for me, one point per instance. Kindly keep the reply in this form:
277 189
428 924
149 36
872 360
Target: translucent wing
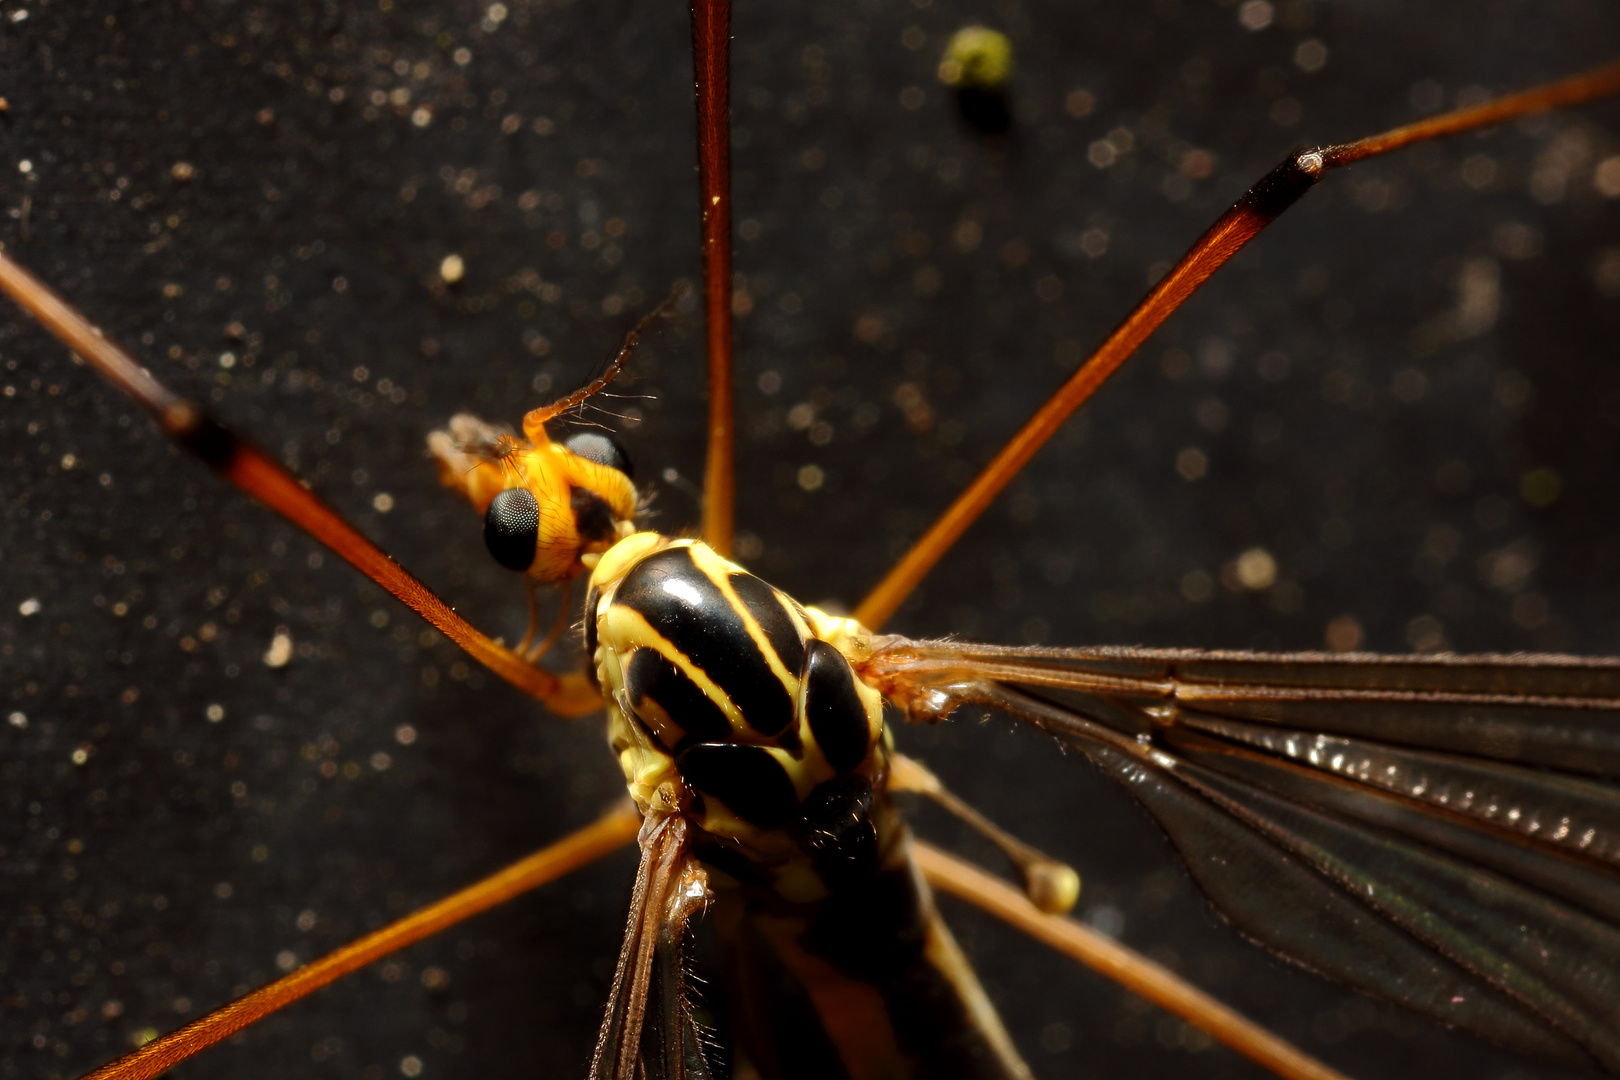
1440 831
648 1032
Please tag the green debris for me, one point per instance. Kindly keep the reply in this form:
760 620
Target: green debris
977 57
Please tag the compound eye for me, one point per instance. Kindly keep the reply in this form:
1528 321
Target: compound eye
602 449
512 528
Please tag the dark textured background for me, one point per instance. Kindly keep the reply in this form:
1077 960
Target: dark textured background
881 246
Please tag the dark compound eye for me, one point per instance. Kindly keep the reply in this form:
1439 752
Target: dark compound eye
602 449
512 527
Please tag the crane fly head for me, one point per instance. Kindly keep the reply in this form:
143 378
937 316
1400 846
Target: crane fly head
548 506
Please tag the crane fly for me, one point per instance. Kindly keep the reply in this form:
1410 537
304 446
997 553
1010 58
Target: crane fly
207 939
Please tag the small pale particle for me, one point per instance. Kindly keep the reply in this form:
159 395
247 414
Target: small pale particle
1256 569
280 650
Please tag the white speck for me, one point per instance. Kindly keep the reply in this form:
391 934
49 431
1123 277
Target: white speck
422 116
215 713
18 720
410 1065
28 607
19 16
25 166
405 734
1257 569
286 959
1192 464
280 650
381 761
1256 14
1310 56
382 502
452 269
80 755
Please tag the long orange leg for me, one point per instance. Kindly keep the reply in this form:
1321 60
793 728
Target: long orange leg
612 831
258 475
711 47
1259 207
254 472
1130 969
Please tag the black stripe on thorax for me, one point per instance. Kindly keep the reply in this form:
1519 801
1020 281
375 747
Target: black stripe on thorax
688 610
766 607
835 710
751 782
649 674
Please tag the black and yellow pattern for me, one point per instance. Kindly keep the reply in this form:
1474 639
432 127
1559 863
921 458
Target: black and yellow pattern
738 708
731 703
548 506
